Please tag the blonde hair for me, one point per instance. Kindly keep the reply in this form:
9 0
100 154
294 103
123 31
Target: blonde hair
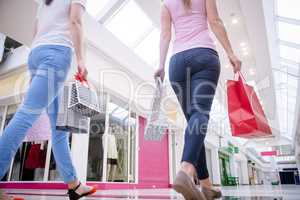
187 3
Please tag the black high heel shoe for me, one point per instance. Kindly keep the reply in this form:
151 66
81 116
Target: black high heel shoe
75 196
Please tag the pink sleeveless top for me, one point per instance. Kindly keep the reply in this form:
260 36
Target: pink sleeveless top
191 26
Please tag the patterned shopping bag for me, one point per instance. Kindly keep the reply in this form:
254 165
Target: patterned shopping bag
68 119
157 124
82 98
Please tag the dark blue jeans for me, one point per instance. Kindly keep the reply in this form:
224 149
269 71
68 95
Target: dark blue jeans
194 76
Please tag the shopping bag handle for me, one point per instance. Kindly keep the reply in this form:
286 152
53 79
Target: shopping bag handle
81 79
158 81
239 75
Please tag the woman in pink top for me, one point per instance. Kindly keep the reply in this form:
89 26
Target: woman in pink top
194 74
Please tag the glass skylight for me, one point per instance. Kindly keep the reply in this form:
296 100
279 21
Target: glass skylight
94 7
129 24
290 53
286 93
148 49
288 8
289 32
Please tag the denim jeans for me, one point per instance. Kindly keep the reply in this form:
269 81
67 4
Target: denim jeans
194 76
48 66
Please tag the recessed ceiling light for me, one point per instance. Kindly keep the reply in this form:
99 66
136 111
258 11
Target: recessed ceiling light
243 44
234 21
227 66
245 53
252 71
244 49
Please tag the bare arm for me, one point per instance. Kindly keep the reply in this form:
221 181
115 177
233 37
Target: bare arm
165 38
219 30
77 35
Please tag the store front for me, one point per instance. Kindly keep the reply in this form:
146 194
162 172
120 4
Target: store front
118 155
225 172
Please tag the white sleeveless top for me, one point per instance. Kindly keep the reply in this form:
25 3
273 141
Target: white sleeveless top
53 23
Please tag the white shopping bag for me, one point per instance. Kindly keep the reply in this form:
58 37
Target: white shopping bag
157 124
83 99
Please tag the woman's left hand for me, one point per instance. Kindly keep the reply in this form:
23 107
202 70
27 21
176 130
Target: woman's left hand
160 73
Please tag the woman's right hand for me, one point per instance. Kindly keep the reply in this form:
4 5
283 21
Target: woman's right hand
235 62
160 72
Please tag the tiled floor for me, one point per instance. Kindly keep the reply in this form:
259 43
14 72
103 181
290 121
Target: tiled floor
230 193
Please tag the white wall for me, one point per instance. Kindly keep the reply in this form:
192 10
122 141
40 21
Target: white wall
17 19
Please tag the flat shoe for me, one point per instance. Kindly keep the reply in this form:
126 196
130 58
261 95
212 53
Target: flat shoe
75 196
212 193
185 186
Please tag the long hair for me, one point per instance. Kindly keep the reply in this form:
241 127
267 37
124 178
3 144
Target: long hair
187 3
48 2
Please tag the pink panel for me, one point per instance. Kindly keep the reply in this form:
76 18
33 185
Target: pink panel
153 159
268 153
62 186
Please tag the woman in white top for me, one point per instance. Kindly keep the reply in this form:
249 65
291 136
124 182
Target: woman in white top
58 31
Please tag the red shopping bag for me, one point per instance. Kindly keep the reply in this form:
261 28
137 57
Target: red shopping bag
246 116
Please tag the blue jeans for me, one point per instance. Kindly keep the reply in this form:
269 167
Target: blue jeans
194 76
48 66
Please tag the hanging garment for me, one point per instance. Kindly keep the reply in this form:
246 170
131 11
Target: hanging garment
36 157
112 152
246 115
40 131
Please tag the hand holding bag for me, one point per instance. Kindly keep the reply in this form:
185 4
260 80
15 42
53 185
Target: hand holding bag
246 115
82 98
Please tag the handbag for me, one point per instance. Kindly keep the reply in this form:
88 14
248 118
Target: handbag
246 116
156 125
69 120
82 98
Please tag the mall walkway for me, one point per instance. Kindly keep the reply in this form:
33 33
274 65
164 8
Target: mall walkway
287 192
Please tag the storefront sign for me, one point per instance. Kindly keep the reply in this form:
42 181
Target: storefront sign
268 153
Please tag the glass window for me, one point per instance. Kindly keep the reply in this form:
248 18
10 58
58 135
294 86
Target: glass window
289 8
148 49
9 115
289 32
117 143
2 109
94 7
290 53
30 159
96 144
132 143
121 143
291 69
130 24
